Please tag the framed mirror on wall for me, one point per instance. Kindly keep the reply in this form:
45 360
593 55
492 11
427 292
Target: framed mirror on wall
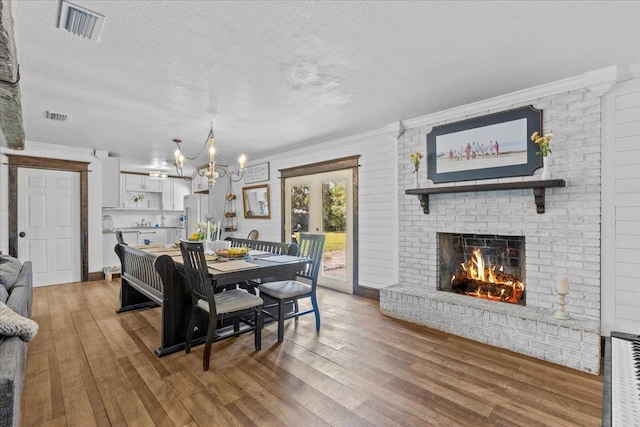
256 202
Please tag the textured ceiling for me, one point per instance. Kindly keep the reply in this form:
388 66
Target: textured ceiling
274 75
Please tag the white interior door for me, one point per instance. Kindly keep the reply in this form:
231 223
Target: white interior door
49 224
323 204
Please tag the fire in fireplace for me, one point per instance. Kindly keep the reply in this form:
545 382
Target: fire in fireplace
480 279
483 266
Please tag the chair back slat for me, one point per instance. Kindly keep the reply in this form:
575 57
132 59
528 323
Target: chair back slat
195 271
263 245
311 246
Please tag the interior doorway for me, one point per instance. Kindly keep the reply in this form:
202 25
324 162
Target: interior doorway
81 196
49 224
325 202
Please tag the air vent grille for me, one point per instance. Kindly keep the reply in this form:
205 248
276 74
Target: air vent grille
80 21
57 116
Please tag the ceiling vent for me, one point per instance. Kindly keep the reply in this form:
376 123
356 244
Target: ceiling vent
80 21
57 117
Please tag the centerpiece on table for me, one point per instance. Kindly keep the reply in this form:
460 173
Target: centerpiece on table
204 231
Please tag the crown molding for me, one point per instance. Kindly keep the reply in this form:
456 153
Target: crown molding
395 129
54 151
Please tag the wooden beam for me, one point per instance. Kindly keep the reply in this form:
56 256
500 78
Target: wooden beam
11 126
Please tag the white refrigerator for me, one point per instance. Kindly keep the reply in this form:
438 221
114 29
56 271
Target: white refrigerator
191 213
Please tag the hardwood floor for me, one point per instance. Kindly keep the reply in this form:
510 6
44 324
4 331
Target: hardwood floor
90 366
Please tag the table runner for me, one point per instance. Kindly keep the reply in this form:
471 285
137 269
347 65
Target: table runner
231 265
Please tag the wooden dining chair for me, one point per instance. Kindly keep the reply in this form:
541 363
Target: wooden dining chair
234 303
253 235
290 291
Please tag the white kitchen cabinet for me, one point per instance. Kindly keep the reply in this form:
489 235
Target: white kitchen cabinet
173 192
155 236
110 182
141 183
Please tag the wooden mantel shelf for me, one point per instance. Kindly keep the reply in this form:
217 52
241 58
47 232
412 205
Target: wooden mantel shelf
537 186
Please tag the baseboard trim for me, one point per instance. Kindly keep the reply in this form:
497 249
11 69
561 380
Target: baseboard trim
96 275
371 293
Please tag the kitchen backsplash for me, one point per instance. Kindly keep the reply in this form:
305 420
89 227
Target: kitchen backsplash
126 219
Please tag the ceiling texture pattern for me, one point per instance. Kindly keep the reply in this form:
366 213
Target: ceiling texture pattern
276 75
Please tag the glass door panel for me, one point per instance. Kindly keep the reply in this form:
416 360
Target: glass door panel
334 225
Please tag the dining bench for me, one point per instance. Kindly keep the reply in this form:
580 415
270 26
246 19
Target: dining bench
148 281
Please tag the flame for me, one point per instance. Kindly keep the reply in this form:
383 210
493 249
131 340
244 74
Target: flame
482 272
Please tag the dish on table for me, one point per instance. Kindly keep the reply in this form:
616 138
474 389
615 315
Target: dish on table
233 252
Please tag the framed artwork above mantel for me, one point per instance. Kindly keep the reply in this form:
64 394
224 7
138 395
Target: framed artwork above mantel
492 146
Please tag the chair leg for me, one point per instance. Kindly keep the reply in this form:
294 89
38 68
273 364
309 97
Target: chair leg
280 320
296 308
258 332
211 334
236 325
316 311
192 324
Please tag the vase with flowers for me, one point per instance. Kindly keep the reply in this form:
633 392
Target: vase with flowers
544 145
415 159
137 199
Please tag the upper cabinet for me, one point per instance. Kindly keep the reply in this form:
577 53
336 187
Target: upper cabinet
139 192
173 192
134 182
110 182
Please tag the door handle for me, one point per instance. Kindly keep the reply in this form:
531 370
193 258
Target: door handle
22 234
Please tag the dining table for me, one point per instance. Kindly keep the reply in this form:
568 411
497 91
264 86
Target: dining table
175 295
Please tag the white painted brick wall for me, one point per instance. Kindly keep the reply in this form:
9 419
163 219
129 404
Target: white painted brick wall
564 241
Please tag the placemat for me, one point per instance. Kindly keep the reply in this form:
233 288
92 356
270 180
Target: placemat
147 246
178 258
164 250
282 258
258 253
231 265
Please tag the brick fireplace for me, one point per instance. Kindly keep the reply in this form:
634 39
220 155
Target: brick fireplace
562 241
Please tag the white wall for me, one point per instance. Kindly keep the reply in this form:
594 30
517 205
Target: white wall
378 226
621 209
53 151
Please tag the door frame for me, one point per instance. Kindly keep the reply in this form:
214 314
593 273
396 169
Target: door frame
350 162
50 164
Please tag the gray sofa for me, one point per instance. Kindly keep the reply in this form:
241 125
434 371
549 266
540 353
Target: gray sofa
13 351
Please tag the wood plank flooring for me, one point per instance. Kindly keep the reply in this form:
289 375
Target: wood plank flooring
90 366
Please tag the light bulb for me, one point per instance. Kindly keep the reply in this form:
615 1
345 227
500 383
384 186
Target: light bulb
242 161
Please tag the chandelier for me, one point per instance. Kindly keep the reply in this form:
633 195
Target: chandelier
210 170
158 174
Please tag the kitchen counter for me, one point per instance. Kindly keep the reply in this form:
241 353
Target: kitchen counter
134 229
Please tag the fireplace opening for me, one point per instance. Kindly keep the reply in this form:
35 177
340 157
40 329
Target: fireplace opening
483 266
